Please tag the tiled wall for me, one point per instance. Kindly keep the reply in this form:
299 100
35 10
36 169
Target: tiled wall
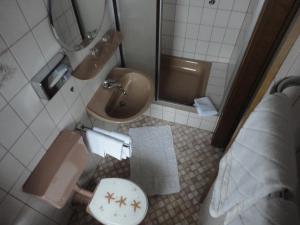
27 124
242 41
197 30
216 83
182 116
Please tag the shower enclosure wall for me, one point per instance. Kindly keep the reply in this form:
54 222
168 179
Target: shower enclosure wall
191 48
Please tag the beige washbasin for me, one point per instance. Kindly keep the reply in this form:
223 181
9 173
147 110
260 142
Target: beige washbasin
112 105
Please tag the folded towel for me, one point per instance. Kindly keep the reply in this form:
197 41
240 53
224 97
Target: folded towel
205 107
102 144
269 211
127 142
260 161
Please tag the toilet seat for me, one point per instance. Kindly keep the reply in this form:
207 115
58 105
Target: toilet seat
118 201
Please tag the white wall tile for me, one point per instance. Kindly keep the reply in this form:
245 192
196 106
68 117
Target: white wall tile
231 36
26 148
202 18
2 102
25 51
197 3
17 190
156 111
181 14
67 122
236 20
168 114
192 31
241 5
168 27
226 4
179 29
51 138
11 127
41 206
9 208
57 107
202 47
214 49
169 11
190 45
8 179
28 51
181 117
36 159
208 16
27 104
226 50
3 46
78 110
34 11
218 34
16 79
188 55
11 16
46 40
2 195
222 18
205 33
194 15
2 152
42 126
28 216
178 43
194 120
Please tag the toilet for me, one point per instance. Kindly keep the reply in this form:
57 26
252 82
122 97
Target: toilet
115 201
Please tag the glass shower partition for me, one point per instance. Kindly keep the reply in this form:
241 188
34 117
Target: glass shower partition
138 22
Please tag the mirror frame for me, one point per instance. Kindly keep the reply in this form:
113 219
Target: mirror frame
62 44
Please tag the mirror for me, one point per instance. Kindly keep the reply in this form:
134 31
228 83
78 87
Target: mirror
75 23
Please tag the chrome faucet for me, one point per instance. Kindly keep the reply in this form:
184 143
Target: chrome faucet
110 84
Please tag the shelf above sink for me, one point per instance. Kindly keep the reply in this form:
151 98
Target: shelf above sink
93 64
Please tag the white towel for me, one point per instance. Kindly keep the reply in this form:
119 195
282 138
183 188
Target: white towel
127 142
260 161
269 211
205 107
102 144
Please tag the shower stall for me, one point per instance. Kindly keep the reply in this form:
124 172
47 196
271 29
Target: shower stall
191 49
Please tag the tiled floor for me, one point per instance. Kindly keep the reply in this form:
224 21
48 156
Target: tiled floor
197 160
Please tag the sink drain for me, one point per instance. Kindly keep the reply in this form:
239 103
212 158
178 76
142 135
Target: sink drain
122 104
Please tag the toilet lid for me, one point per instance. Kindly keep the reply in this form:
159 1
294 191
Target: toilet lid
118 201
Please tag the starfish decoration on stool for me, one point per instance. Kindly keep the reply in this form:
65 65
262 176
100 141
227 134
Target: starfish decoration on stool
135 205
110 197
121 201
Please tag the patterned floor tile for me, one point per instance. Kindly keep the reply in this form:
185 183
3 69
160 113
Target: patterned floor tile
197 160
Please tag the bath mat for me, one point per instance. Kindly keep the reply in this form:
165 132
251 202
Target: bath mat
153 164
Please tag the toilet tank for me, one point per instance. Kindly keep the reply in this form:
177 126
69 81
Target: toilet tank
54 178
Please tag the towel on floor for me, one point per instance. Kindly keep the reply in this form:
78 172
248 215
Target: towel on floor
153 165
260 161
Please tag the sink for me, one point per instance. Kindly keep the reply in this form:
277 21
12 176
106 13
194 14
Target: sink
113 105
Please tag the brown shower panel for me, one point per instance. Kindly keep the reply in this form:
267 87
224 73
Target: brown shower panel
182 80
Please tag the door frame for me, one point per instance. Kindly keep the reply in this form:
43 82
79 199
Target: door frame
274 20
